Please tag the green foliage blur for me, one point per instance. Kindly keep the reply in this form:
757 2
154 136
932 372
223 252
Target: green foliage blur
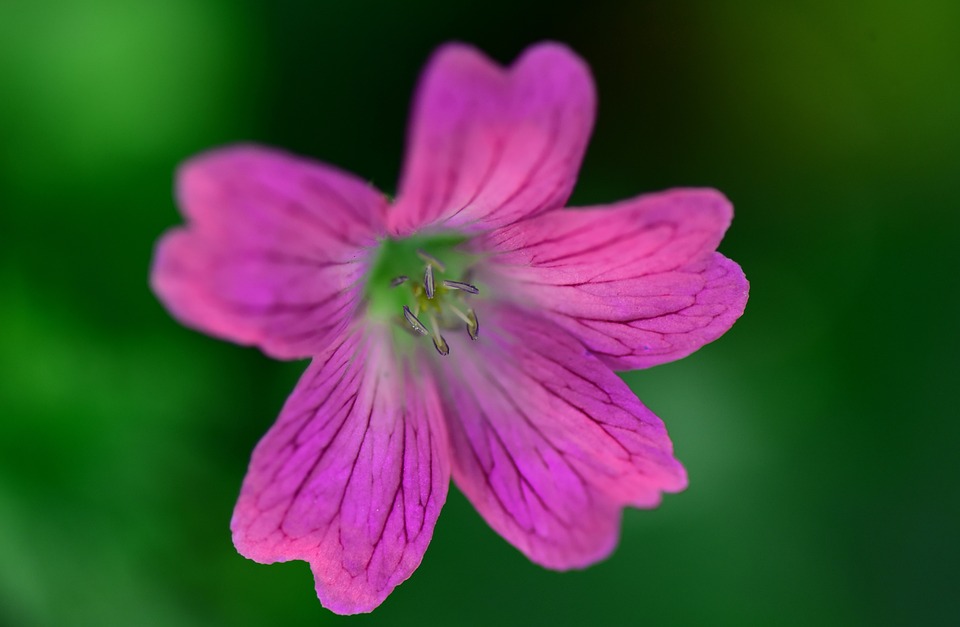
820 434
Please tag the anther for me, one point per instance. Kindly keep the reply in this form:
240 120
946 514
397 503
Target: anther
414 321
460 285
473 327
431 260
428 281
400 280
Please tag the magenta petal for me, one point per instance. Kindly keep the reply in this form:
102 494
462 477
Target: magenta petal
638 282
273 252
549 444
489 146
352 476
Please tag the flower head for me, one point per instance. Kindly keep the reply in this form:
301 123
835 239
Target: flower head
470 329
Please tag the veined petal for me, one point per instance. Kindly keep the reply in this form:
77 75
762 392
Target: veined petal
490 146
638 282
548 443
273 252
352 476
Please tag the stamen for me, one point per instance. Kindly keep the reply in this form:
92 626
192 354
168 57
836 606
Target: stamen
431 260
414 321
438 342
459 313
441 345
428 281
400 280
460 285
473 327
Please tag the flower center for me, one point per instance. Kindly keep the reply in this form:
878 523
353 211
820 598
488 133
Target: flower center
423 287
443 305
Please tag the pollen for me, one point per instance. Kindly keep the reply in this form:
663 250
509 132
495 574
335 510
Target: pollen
437 306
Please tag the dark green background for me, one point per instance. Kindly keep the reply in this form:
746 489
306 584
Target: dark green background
820 434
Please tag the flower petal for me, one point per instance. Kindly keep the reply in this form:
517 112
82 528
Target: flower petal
352 476
548 443
274 249
489 146
638 282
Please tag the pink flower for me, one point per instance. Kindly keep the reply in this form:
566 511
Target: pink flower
513 392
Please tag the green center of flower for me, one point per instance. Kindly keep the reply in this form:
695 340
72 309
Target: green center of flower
423 286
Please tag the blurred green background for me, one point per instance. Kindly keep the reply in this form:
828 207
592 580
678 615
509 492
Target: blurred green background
820 434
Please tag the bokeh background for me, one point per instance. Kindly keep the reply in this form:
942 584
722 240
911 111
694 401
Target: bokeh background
820 434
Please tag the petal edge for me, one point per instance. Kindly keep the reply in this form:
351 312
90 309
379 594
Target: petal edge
638 282
489 146
273 252
351 478
548 443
